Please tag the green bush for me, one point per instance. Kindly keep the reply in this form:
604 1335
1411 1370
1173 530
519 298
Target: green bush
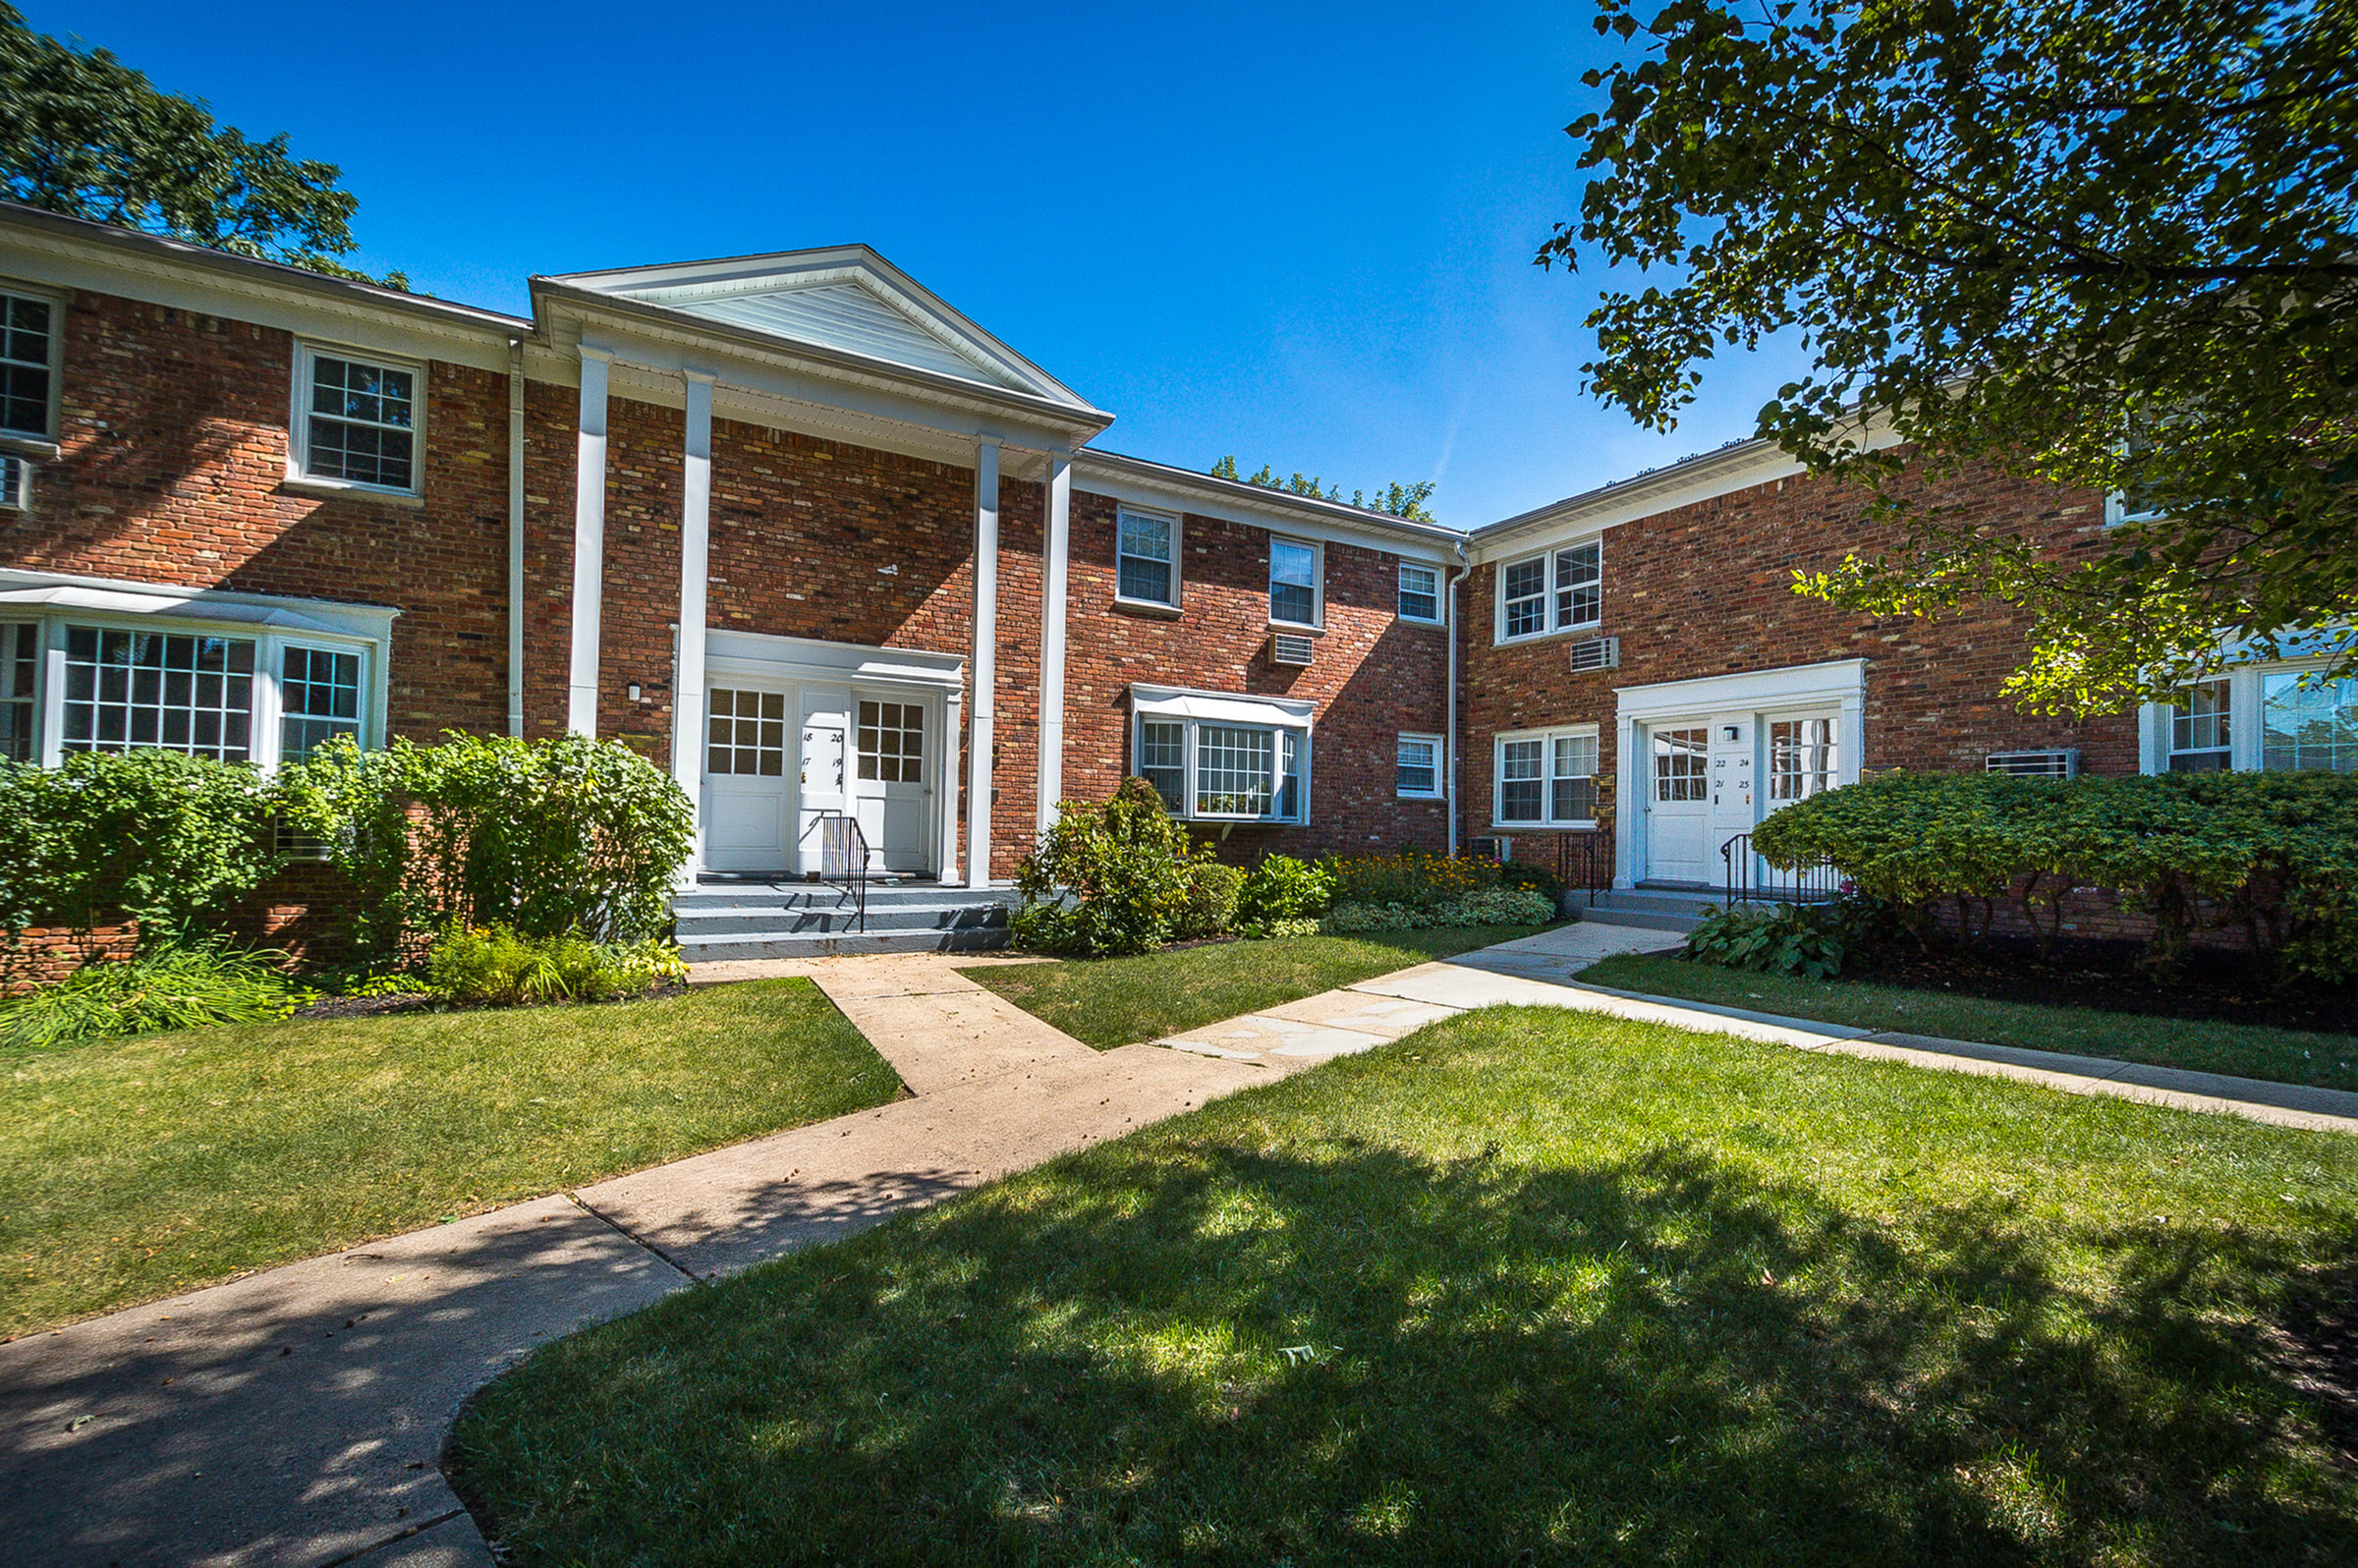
1286 927
1539 878
1413 876
1282 888
170 841
1211 894
1106 878
172 986
501 967
2273 854
550 836
1497 906
1780 940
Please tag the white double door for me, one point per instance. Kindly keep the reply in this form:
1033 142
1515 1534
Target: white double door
1713 776
781 756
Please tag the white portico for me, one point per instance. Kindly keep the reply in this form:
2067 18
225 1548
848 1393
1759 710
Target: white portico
773 730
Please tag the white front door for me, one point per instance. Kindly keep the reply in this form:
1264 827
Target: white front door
1678 847
748 795
892 788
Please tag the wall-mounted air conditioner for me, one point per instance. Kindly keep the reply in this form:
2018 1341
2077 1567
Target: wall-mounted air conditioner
1596 653
2062 763
1290 647
1492 849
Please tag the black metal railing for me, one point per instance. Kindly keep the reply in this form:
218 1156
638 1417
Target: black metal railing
1740 872
1584 861
843 860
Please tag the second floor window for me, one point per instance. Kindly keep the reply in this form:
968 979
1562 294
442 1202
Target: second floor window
1420 592
1559 591
26 347
1293 582
359 421
1148 546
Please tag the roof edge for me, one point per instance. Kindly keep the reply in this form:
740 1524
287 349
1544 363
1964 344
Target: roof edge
1284 501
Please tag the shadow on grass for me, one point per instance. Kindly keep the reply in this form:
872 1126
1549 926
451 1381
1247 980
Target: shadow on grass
1661 1358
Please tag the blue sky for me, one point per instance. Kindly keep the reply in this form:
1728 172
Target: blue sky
1299 234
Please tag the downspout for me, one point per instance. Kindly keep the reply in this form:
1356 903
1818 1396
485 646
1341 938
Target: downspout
1465 569
516 536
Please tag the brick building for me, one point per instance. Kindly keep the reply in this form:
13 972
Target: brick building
825 548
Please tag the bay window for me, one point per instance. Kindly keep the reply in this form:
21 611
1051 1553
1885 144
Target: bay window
2308 723
1546 778
1562 591
20 664
2280 713
2200 730
1215 756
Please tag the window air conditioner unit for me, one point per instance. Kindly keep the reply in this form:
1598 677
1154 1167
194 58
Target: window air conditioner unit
1287 647
1596 653
1492 849
296 845
2063 762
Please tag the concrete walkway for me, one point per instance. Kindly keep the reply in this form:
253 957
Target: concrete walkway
298 1415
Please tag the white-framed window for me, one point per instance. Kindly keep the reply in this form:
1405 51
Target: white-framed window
1420 592
15 483
1804 758
19 692
2308 723
1682 765
131 688
1546 778
29 364
359 419
1562 591
745 732
319 698
1145 556
892 741
1294 588
1221 771
2202 730
1419 773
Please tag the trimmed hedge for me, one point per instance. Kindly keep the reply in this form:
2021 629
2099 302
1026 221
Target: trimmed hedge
2273 854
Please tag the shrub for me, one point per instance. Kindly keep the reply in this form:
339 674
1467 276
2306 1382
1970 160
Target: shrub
1412 877
1287 927
172 986
501 967
1282 888
2274 852
1211 894
1538 879
1497 906
1784 939
550 836
1106 878
170 841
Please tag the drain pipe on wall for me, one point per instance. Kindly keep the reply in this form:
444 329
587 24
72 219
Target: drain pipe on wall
1465 569
516 536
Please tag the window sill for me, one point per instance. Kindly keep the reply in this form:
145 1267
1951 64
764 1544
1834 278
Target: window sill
32 447
1419 620
1146 607
1588 825
1297 629
1418 795
1585 629
345 490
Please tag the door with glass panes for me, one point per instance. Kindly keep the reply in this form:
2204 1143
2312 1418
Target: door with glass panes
749 790
892 781
1678 846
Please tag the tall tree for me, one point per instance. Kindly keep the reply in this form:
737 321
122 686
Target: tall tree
82 133
2112 247
1395 500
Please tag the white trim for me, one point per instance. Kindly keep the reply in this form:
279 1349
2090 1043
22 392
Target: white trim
1190 709
1223 707
1317 581
1177 580
982 714
1400 591
2246 708
1057 548
1441 767
57 360
1792 685
1158 485
763 655
695 541
588 545
298 475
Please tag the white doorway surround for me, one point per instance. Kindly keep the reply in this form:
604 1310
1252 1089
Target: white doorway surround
1704 760
795 730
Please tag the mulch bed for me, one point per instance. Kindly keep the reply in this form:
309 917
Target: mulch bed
2213 987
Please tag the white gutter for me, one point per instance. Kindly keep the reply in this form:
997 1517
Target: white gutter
516 536
1450 725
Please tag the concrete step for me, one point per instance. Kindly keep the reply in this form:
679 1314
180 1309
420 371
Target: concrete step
766 918
730 919
839 945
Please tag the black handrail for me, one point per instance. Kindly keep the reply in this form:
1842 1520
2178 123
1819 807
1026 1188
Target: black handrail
1812 884
843 860
1591 850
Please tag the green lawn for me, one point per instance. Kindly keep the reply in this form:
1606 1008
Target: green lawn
1120 1001
2249 1050
1555 1288
137 1168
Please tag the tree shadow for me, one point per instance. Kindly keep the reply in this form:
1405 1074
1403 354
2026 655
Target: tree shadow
1221 1354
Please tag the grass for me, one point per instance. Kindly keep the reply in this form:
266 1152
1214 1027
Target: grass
133 1169
2247 1051
1121 1001
1527 1286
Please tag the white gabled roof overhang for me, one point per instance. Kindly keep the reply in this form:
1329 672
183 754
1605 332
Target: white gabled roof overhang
1220 707
21 589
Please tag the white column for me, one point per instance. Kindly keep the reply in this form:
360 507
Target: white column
984 662
696 549
588 544
1057 549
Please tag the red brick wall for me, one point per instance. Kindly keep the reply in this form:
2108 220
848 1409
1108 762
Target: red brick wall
1373 677
1706 589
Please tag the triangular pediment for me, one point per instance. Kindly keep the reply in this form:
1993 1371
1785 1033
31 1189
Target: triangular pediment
847 301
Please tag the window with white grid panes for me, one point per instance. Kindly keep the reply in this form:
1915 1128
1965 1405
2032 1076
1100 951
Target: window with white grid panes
1578 586
1163 759
1420 592
1419 772
1801 757
892 743
2200 737
318 697
1572 778
1681 762
20 668
26 350
745 732
1525 596
2308 723
174 690
1293 582
1147 563
1235 771
360 423
1522 785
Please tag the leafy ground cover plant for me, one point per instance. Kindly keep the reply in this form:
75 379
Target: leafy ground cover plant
1781 939
502 967
1106 878
178 986
1490 905
1282 888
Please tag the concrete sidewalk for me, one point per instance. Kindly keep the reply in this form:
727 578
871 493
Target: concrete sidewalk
298 1415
